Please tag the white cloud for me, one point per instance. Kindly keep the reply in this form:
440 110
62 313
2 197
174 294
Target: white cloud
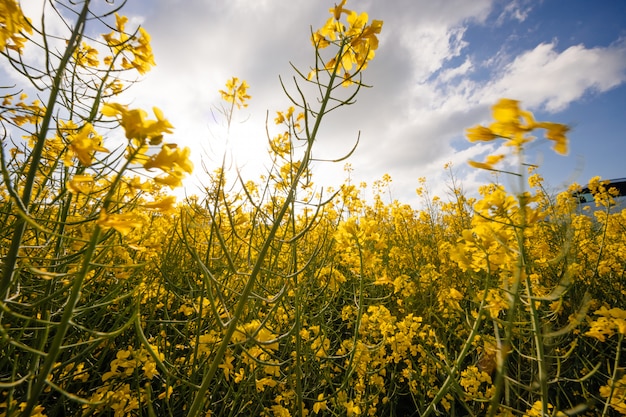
454 72
517 9
431 47
424 93
545 77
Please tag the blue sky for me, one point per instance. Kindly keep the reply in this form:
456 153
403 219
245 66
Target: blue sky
439 67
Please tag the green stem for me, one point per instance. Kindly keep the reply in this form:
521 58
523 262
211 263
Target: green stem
10 260
199 399
72 300
616 370
464 352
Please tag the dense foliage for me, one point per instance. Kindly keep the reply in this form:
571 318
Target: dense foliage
268 297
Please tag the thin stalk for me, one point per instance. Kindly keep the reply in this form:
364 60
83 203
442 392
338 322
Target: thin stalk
10 260
199 398
464 351
72 300
616 371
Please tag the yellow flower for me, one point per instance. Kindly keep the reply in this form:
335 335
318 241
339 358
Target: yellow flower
480 133
171 158
83 145
123 223
352 409
320 404
617 394
227 365
38 411
236 92
488 164
239 376
338 10
513 124
165 205
556 132
358 42
135 123
265 382
150 370
143 59
173 180
167 393
86 56
12 22
80 184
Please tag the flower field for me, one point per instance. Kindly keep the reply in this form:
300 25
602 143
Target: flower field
268 297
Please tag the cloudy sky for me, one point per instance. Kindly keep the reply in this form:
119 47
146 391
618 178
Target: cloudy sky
439 67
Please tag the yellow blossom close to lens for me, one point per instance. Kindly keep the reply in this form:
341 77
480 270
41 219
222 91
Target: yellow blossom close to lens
489 162
12 22
236 92
135 122
480 133
556 132
80 184
173 161
165 205
513 125
122 222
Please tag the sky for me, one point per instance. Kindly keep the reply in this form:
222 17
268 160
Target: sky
439 68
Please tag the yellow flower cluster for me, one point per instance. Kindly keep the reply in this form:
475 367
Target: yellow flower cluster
615 393
25 113
536 410
609 322
513 124
171 160
259 301
12 22
138 46
116 394
136 125
476 384
357 42
236 92
86 56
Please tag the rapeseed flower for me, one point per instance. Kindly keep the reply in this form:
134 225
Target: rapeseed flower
12 22
136 125
83 144
513 124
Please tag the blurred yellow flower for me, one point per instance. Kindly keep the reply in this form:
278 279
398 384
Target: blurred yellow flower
480 133
135 122
513 124
489 162
86 56
12 22
123 222
338 10
171 158
80 184
556 132
165 205
320 404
